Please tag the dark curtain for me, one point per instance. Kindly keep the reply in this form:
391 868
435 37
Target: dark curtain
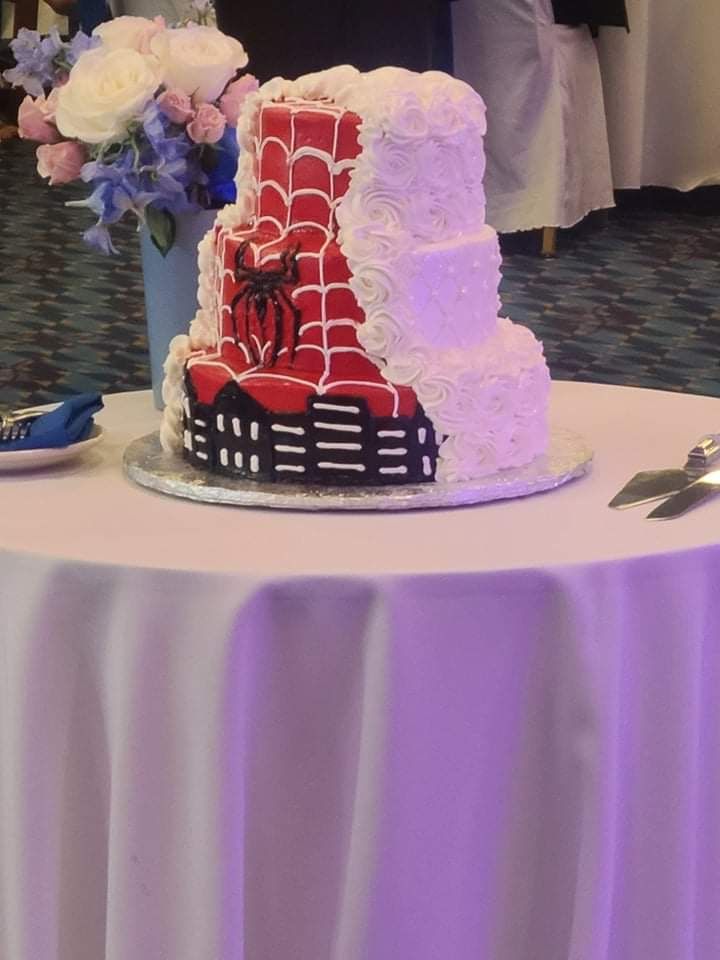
285 38
597 13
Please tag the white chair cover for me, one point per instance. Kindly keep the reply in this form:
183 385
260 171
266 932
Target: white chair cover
547 151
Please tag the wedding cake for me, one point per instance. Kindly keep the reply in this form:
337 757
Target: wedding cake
348 329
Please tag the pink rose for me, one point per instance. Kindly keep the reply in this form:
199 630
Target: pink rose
234 97
35 120
62 162
176 105
208 125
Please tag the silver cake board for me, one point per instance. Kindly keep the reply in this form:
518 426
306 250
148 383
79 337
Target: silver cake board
145 463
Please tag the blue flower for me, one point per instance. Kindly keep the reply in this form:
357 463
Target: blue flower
221 170
78 45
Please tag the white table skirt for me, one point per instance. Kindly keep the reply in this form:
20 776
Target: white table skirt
547 148
244 735
662 89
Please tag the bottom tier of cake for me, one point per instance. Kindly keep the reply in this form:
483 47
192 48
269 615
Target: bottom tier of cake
337 440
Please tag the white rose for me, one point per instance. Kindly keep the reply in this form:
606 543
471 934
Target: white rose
198 60
129 33
394 163
381 334
373 286
439 165
106 90
436 217
407 116
498 404
368 243
383 208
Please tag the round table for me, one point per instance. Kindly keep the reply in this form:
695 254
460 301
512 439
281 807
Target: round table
483 732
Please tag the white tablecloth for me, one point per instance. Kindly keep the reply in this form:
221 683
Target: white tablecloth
483 733
662 89
546 144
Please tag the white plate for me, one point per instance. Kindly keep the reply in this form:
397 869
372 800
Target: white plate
11 460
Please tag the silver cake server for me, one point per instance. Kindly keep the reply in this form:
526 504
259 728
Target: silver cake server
691 496
649 485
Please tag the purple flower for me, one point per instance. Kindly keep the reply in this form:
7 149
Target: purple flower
34 70
101 202
113 172
155 125
43 62
99 238
52 44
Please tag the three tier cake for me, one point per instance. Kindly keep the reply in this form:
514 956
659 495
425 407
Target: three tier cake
348 329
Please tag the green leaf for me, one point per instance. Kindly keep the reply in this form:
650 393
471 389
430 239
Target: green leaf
161 224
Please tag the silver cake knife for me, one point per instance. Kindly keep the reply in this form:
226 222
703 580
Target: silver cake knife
652 485
691 496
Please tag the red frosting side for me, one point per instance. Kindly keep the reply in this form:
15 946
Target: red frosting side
289 317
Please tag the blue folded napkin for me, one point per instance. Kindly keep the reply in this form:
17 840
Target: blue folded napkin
69 423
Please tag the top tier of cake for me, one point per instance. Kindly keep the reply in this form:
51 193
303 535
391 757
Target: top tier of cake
305 152
397 160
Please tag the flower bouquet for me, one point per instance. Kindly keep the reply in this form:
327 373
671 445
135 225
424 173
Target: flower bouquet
145 114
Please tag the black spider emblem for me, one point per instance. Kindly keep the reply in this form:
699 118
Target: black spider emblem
263 289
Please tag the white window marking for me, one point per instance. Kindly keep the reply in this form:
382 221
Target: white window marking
323 445
333 406
342 427
325 465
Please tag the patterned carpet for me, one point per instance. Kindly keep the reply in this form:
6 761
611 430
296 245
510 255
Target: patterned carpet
632 298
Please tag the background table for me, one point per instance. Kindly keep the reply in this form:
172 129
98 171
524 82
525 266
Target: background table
487 732
662 88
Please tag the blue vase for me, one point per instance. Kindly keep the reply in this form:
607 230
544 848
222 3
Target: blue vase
171 288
